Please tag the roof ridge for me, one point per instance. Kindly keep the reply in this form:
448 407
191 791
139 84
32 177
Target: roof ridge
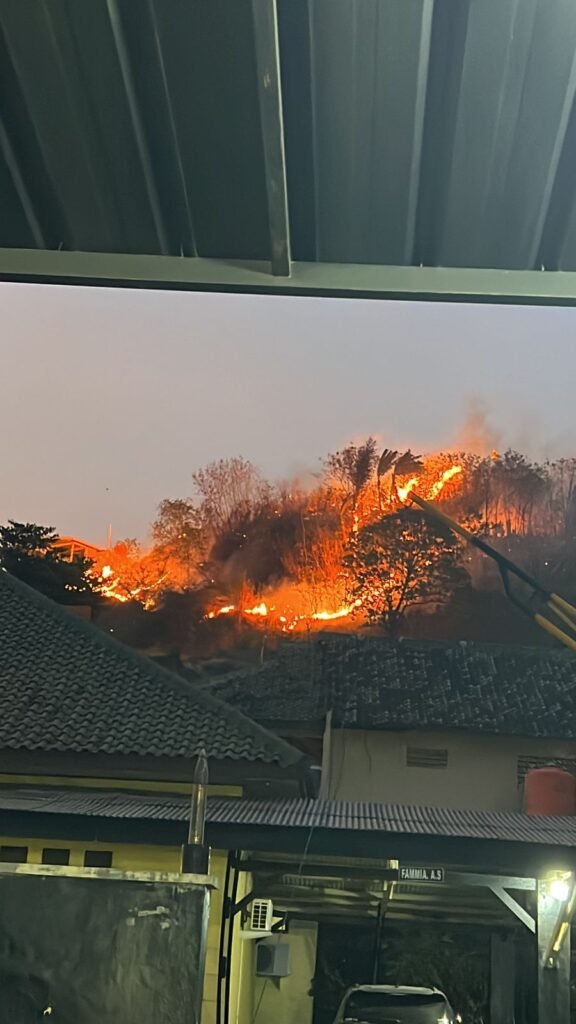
170 680
426 643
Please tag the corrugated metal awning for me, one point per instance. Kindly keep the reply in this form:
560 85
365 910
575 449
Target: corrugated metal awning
307 146
333 815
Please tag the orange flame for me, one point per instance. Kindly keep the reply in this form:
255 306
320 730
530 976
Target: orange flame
403 492
259 609
221 611
342 613
446 476
434 491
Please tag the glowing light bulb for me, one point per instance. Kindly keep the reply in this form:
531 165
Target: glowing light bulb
559 890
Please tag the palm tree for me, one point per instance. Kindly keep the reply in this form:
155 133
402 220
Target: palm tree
385 464
406 465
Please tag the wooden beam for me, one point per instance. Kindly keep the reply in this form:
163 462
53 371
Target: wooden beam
265 18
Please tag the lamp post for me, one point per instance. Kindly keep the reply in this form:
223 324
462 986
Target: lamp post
195 853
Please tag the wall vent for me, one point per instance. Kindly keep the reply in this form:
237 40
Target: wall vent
526 763
426 757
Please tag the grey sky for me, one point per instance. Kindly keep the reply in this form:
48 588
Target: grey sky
111 398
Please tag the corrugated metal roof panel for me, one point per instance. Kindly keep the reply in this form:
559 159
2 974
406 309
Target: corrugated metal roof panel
416 131
348 816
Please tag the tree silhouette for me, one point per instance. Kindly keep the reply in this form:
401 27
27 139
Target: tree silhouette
27 551
399 562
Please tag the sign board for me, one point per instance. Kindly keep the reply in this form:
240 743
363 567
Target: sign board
421 874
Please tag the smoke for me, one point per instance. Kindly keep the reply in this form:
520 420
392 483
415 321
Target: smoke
477 434
480 435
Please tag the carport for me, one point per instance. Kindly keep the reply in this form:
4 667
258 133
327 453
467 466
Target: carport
350 863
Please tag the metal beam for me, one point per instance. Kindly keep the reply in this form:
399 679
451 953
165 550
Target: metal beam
504 881
265 18
137 123
553 980
176 149
515 907
429 284
314 870
502 978
421 93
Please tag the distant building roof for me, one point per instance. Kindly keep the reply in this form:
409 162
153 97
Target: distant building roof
65 686
72 545
374 683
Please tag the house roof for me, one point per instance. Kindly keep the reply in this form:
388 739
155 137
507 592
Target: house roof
386 148
66 686
373 683
306 814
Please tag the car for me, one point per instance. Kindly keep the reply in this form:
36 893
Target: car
394 1004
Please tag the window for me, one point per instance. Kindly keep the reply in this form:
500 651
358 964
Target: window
51 855
426 757
13 854
98 859
527 762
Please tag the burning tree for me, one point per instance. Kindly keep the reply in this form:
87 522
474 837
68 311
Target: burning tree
400 562
353 469
178 533
225 488
131 574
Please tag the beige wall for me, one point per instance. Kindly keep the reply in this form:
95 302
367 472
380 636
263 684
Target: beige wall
481 772
287 1000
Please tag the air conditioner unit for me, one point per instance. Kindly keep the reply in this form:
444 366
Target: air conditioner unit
273 959
259 922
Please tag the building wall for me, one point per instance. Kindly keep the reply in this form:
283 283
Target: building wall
288 1000
131 857
481 771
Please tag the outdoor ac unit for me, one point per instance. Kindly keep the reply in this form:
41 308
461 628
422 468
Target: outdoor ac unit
259 922
273 959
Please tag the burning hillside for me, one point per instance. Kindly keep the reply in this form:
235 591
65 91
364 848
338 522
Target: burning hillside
302 604
350 549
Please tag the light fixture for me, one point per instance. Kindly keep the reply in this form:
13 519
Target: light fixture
560 889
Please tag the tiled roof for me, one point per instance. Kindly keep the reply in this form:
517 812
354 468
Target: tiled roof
66 686
373 683
394 819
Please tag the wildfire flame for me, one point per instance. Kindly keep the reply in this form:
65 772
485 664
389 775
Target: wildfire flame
342 613
404 491
434 491
448 474
289 620
260 609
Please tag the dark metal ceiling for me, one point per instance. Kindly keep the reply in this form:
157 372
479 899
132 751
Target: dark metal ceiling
255 144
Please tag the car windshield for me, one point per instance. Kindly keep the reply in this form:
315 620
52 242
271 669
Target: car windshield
397 1008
